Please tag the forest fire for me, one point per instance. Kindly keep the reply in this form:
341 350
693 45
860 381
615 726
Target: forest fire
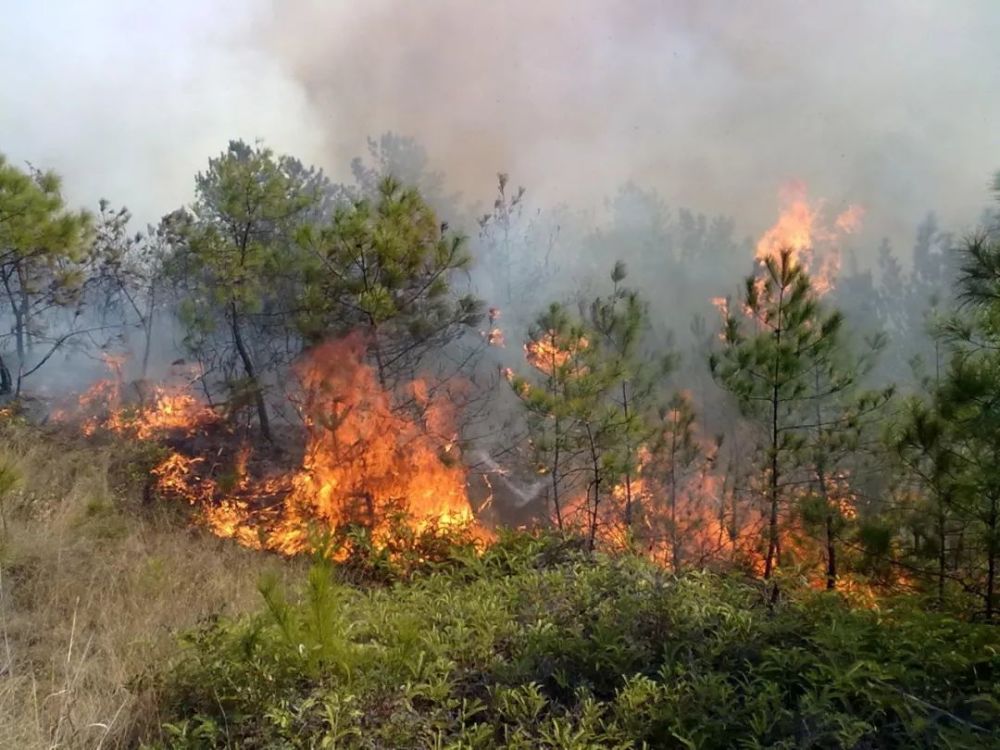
800 228
678 502
668 493
368 455
806 494
170 410
550 352
516 375
366 459
359 454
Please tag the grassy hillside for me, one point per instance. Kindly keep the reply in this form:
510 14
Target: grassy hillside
537 645
96 587
122 627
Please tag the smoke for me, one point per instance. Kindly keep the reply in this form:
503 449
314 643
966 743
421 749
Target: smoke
622 111
128 100
715 105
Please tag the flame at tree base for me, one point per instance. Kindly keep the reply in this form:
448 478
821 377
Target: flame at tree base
367 459
386 461
372 458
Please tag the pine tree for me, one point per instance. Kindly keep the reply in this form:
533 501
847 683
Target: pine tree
925 442
590 416
575 407
42 247
232 248
386 266
554 349
496 228
678 452
965 406
971 401
784 359
843 419
126 274
620 320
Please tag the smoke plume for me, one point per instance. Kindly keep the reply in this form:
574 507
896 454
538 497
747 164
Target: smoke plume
891 105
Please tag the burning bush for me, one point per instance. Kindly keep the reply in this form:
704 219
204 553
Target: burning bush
370 456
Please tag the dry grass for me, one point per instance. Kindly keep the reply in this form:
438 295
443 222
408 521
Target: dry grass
94 588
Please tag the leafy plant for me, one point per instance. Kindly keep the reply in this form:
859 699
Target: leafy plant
540 644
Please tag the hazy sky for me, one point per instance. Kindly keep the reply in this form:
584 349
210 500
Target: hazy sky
893 104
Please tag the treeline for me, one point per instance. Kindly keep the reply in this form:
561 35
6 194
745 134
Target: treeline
790 453
822 470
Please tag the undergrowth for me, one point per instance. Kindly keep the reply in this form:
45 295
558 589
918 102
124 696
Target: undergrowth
121 627
95 587
536 644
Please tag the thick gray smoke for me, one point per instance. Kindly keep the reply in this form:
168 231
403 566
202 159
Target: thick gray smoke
613 115
128 100
715 104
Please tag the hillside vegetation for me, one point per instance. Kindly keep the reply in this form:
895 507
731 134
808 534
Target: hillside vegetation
356 453
292 535
95 589
124 628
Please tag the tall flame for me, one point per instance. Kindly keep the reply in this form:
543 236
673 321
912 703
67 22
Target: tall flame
370 454
801 229
366 456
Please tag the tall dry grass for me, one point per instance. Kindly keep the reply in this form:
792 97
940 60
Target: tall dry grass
94 588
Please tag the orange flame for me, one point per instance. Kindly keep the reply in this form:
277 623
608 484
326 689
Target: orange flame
548 354
800 229
367 456
369 453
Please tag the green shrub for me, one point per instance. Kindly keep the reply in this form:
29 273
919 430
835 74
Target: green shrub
537 644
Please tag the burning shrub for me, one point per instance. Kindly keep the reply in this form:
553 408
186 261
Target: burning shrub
366 455
373 459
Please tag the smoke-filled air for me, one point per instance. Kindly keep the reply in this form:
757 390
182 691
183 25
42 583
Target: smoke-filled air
514 375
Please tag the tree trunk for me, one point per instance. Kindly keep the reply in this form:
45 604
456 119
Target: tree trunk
596 485
628 451
675 552
772 526
942 551
558 434
19 334
991 559
251 373
377 351
6 381
592 541
675 545
831 555
773 538
147 326
831 552
22 316
557 506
